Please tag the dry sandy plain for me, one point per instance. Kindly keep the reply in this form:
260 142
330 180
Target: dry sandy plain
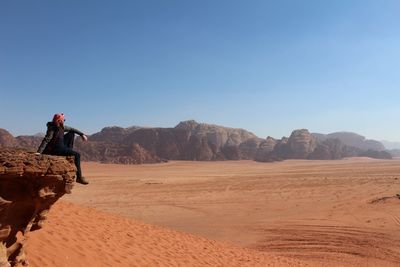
233 213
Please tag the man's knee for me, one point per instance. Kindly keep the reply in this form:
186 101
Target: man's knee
69 139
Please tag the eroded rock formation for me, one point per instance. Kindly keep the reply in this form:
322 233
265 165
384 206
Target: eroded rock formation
190 140
353 140
29 185
266 149
6 139
301 143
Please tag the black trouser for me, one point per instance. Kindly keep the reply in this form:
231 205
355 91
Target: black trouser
66 150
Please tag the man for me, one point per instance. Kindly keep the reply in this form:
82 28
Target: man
59 144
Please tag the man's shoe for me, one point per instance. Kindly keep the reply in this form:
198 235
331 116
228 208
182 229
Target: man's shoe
81 180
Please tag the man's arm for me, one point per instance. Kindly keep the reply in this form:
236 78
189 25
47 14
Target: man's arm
46 140
70 129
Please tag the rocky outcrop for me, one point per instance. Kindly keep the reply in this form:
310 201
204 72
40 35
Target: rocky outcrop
6 139
23 141
265 151
110 134
29 185
108 152
303 145
248 149
190 140
27 141
328 149
300 144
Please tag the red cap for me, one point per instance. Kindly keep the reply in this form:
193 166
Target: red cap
58 117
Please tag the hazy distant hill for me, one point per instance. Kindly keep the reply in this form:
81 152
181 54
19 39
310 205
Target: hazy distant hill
394 152
391 145
6 139
23 141
190 140
352 139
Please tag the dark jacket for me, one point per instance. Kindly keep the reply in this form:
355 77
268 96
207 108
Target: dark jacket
50 139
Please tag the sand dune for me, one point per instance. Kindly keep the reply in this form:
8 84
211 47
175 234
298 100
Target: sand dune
320 213
79 236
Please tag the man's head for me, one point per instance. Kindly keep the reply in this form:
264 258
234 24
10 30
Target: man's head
59 118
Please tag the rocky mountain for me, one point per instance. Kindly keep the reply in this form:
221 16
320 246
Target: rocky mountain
300 144
109 152
113 134
190 140
330 149
303 145
22 141
104 147
352 139
6 139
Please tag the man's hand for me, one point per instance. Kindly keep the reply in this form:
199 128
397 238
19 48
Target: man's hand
84 138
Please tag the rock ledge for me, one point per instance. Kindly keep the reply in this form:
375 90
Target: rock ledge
29 185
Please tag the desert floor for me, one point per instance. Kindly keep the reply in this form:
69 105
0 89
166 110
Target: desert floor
320 213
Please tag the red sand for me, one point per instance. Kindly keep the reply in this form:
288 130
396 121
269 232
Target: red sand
79 236
321 213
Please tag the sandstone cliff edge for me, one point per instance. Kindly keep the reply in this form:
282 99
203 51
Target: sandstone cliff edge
29 185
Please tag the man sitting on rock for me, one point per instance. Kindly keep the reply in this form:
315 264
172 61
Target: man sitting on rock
59 144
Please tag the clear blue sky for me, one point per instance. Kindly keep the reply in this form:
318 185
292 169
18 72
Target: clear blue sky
266 66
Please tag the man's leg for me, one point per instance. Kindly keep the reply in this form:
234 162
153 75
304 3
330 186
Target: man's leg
69 140
79 178
77 159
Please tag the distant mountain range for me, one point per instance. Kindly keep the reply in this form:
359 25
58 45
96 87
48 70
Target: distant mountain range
190 140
